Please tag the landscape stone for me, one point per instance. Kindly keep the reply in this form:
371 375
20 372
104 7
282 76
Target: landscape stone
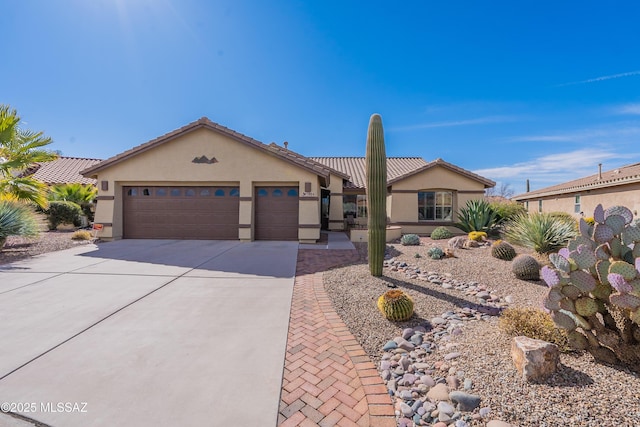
465 401
390 345
444 407
438 392
498 423
534 359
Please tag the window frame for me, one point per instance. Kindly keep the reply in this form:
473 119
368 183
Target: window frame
439 198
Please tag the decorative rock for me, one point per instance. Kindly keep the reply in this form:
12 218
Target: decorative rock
390 345
406 345
440 424
465 401
438 392
484 412
451 356
534 359
427 380
453 382
468 384
446 408
498 423
407 333
404 362
461 423
406 410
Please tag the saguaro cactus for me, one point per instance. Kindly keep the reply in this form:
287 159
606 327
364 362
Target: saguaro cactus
376 160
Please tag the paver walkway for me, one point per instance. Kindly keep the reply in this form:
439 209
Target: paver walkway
328 378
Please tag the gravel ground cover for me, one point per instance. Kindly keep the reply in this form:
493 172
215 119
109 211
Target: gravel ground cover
581 393
18 248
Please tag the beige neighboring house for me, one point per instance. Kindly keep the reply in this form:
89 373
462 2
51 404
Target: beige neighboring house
205 181
579 197
63 170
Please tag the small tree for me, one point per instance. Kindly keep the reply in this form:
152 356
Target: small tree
19 150
376 161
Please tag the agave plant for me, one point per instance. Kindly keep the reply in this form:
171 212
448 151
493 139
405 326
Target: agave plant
543 232
16 219
477 215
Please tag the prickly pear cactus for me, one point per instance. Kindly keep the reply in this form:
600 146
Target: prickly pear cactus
395 305
595 287
525 267
410 240
435 252
502 250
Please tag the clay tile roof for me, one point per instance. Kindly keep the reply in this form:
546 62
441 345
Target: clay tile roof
204 122
611 178
63 170
398 168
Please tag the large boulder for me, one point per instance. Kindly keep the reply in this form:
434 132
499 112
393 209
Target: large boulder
534 359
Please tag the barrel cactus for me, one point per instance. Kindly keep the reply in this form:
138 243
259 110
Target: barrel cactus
376 171
595 287
441 233
395 305
410 240
435 252
525 267
502 250
477 236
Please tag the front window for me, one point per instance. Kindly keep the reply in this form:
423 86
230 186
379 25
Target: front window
435 205
576 206
539 205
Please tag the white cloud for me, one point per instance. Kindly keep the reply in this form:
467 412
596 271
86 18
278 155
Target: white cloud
602 78
633 109
555 168
453 123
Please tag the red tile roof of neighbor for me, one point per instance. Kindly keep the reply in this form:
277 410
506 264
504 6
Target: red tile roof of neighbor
612 178
63 170
398 168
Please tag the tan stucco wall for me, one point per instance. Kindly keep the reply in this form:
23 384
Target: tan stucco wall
404 205
336 221
625 195
238 164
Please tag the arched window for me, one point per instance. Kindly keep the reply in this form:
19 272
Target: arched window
219 192
205 192
190 192
132 192
262 193
292 193
277 192
175 192
161 192
234 192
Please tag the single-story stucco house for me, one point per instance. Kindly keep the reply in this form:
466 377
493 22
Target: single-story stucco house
205 181
579 197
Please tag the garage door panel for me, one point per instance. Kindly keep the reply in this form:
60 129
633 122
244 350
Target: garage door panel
276 213
181 213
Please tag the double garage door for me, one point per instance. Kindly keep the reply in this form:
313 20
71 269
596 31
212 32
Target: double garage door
152 212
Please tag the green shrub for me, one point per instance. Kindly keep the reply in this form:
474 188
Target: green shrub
477 215
410 240
63 213
441 233
16 219
507 210
532 323
81 194
542 232
81 235
435 252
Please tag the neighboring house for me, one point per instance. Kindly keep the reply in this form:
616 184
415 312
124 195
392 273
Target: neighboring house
579 197
63 170
205 181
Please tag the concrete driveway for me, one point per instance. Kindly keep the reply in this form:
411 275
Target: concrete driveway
147 333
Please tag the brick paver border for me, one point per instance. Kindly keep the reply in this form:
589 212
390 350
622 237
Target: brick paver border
328 378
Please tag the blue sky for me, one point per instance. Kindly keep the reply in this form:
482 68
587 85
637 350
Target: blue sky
539 90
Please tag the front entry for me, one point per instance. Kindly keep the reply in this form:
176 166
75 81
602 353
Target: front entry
276 213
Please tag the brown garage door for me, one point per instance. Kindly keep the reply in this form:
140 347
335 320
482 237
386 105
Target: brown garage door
181 212
276 213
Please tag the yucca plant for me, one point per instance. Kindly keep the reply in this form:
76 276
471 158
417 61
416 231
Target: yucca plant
16 219
541 231
477 215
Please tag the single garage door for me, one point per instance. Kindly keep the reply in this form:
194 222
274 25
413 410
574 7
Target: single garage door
181 212
276 213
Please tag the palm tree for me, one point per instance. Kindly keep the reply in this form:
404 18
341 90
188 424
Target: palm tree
20 149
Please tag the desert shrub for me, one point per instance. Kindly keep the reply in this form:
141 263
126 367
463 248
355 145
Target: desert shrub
16 219
507 210
82 235
532 323
441 233
61 212
542 232
435 252
81 194
477 236
410 240
477 215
